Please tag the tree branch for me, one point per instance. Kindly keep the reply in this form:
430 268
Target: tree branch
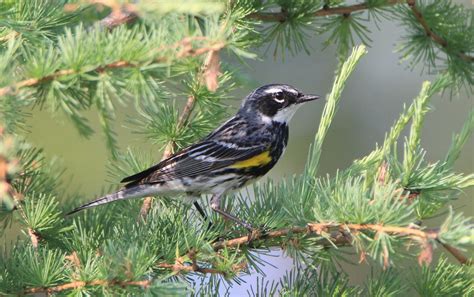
457 254
178 267
345 10
338 238
429 32
122 15
186 51
325 11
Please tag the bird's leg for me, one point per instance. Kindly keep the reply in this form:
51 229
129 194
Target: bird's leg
216 206
200 210
202 213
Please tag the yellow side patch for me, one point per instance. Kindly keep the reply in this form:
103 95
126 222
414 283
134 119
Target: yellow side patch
258 160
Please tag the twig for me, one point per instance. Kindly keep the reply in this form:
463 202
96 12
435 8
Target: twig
183 119
34 237
171 146
457 254
178 268
187 51
122 15
11 35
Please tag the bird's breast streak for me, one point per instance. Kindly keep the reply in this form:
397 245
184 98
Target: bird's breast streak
258 160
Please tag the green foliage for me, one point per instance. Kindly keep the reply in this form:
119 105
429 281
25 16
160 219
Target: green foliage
443 280
459 140
453 24
41 213
342 30
330 108
384 284
296 29
90 67
37 21
311 283
35 268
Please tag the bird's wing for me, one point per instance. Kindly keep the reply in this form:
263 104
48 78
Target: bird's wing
202 158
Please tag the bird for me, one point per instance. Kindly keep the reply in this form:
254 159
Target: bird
241 150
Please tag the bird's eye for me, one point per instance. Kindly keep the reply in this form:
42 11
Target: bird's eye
279 97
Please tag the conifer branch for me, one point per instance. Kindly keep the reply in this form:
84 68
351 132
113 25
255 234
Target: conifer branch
177 267
346 10
325 11
429 32
336 238
186 51
127 13
320 228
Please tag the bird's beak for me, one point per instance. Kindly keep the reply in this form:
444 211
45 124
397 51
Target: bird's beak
306 98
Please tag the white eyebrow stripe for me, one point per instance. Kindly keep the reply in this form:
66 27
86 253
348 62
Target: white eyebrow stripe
273 90
293 91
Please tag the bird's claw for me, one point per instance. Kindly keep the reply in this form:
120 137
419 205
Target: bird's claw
257 233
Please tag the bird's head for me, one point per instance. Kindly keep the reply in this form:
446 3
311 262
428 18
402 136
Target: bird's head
275 102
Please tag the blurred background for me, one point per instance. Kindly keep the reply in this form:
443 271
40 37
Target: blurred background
371 102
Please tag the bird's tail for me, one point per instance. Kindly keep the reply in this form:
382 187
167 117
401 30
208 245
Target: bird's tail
134 192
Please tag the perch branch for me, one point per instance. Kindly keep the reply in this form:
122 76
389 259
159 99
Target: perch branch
340 236
319 228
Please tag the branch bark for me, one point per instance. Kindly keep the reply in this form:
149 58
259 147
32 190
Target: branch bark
338 238
457 254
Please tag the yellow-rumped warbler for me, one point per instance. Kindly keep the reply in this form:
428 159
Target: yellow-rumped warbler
243 149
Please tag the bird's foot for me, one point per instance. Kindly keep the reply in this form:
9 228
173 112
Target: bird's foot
256 234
